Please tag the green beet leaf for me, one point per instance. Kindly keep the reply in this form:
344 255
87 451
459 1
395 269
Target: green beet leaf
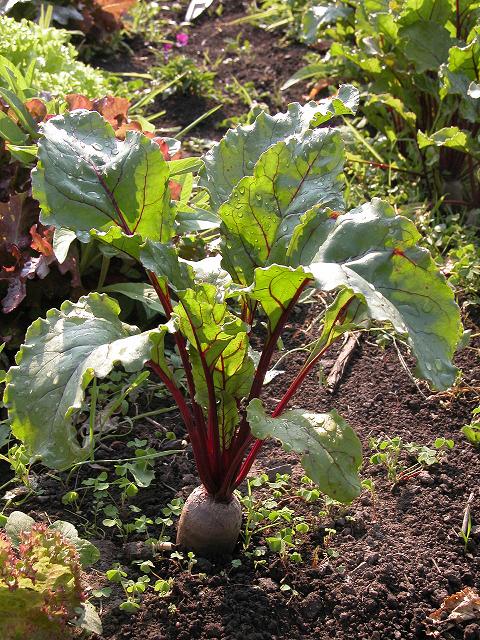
261 215
275 287
373 252
87 179
317 17
331 451
235 156
218 347
61 355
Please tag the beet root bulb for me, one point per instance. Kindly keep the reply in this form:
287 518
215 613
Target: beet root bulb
209 528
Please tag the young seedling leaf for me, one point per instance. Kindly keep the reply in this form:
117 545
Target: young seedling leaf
331 451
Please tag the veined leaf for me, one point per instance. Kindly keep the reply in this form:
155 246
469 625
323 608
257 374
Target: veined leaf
61 355
163 261
452 137
87 179
263 211
206 321
346 313
331 451
415 11
426 45
373 252
235 156
275 287
218 338
115 241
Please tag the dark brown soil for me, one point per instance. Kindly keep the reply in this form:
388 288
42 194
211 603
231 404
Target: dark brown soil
269 63
397 557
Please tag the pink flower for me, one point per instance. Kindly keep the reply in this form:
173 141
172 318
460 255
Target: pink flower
167 47
182 39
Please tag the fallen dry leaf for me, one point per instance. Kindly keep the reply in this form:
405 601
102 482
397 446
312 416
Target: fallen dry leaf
459 607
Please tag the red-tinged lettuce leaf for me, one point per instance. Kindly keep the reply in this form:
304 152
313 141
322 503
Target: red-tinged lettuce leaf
17 262
60 357
87 179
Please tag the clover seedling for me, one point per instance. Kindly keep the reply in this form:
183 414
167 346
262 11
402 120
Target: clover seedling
273 189
472 431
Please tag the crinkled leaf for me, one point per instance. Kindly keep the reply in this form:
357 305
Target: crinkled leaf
17 523
219 339
343 103
451 137
236 154
87 179
263 211
206 321
60 357
373 252
331 451
87 552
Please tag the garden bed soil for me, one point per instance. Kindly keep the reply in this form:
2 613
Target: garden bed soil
397 557
269 62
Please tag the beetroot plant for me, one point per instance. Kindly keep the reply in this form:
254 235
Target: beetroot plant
276 189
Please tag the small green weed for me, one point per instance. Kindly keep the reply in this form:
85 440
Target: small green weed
391 453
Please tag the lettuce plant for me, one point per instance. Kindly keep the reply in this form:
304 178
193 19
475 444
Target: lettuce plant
41 586
46 56
276 187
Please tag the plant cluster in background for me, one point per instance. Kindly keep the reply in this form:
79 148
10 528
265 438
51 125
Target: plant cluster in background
97 19
46 56
418 66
